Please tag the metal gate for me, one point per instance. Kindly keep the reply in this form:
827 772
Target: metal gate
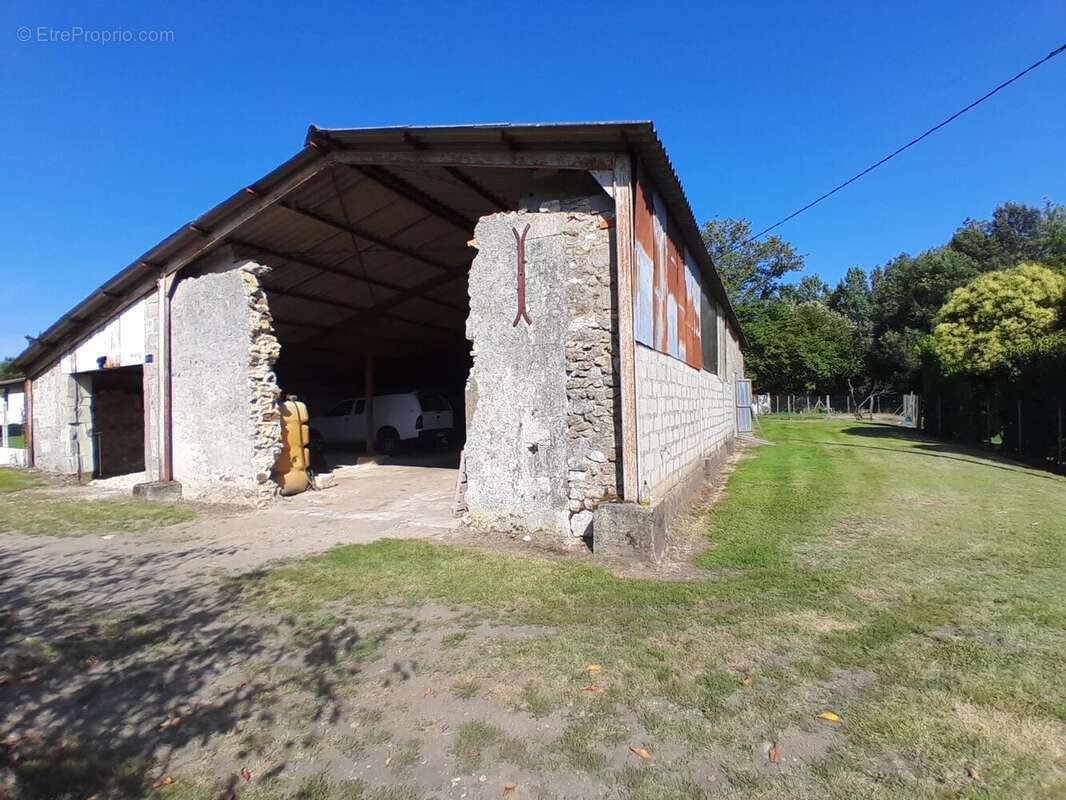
743 406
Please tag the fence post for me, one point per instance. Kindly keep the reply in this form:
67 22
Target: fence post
828 407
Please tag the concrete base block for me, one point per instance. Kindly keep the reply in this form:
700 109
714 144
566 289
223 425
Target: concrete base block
630 530
158 491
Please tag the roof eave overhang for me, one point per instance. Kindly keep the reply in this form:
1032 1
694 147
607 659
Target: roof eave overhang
637 138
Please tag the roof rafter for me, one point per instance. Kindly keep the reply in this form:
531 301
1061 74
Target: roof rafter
422 289
331 270
397 185
371 237
329 301
477 188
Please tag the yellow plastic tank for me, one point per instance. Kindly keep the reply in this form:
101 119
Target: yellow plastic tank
290 470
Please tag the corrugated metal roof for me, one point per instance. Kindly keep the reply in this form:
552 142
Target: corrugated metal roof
375 208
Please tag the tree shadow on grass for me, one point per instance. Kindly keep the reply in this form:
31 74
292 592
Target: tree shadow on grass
100 689
933 448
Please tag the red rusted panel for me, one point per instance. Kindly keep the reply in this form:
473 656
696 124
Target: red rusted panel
666 290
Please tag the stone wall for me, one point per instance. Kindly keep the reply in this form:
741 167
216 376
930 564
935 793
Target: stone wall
541 450
683 415
592 386
54 443
224 395
63 399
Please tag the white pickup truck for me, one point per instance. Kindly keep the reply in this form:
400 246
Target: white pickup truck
398 418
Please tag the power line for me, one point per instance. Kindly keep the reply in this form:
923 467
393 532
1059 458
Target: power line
909 144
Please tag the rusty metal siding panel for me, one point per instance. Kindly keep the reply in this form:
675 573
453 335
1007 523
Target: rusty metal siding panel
667 285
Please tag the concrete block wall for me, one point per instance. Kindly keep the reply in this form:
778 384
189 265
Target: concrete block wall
683 416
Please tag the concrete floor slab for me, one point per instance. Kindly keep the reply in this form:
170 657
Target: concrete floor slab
411 499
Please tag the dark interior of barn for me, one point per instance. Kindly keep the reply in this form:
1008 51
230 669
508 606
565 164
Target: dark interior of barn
368 286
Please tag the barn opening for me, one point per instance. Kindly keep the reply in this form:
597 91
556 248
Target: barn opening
117 404
368 296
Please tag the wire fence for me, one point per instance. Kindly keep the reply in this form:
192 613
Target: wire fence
830 405
1016 420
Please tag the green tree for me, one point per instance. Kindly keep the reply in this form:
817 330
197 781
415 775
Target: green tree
1016 233
852 298
810 289
906 296
801 347
7 370
998 319
751 271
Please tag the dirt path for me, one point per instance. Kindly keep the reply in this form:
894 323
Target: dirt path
103 570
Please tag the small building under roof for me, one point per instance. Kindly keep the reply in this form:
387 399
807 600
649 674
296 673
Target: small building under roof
549 280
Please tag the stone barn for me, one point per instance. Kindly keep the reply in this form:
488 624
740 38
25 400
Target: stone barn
548 281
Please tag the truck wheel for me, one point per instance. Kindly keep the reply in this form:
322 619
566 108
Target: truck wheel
388 441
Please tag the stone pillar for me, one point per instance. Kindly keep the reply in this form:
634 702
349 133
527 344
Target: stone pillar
226 418
542 449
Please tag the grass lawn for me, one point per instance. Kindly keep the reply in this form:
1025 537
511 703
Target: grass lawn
14 480
914 590
24 511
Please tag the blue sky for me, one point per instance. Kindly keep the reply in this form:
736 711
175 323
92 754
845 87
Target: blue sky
106 148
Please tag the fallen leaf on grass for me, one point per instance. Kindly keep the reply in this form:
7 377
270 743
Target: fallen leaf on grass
166 780
428 692
746 680
774 753
246 774
641 752
508 790
591 688
592 669
173 722
829 716
388 760
974 773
